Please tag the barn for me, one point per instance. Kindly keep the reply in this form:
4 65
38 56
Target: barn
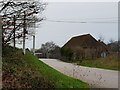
86 46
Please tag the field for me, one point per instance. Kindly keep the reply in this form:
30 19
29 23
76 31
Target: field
26 71
110 62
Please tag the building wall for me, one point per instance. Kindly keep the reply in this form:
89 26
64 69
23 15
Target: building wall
88 53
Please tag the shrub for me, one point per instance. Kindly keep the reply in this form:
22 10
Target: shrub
67 53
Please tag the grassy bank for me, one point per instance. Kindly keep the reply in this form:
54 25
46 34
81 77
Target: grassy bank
26 71
111 62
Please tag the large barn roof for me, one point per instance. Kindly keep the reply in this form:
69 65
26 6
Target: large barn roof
84 41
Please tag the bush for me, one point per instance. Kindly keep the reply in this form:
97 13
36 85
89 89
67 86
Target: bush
66 53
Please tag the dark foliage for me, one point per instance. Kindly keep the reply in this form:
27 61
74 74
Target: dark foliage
67 53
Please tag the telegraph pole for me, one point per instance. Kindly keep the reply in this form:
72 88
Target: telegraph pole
34 44
24 31
14 29
34 38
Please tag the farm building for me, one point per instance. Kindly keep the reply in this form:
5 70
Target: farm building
86 46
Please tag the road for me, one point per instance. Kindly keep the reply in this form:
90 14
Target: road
96 78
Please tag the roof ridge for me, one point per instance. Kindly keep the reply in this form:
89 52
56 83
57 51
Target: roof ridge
81 35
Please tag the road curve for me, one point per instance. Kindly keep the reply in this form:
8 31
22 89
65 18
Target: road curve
96 78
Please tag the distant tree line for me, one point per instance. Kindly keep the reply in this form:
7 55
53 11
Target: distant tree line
51 50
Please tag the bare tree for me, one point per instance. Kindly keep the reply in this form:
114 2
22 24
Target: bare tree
101 38
111 40
14 14
47 47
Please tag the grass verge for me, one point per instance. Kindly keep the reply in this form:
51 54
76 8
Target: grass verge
110 62
26 71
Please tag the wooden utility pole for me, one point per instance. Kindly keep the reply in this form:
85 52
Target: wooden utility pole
24 31
14 21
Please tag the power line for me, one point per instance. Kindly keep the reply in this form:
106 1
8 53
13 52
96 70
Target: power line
99 18
71 21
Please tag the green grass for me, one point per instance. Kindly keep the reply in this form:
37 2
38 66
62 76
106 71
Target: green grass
26 71
111 62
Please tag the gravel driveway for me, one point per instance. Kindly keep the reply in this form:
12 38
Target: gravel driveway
97 78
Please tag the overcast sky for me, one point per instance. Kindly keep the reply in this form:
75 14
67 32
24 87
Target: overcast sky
100 17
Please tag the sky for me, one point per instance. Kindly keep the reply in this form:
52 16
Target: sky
64 20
